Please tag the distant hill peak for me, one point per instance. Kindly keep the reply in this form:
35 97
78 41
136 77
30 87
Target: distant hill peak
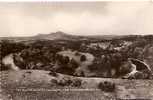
54 35
59 33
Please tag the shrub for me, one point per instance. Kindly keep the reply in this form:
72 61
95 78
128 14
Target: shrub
69 82
66 60
4 67
8 47
61 82
65 82
77 54
73 64
140 75
53 73
83 58
106 86
76 82
54 81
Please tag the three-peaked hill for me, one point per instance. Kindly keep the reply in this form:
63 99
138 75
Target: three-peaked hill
51 36
59 35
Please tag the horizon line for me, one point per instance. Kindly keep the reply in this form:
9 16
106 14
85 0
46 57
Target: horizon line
80 34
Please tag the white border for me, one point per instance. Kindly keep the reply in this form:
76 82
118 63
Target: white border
72 0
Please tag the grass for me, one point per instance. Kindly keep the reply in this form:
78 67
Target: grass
13 81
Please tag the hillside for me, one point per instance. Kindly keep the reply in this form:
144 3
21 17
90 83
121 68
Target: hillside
88 67
59 35
100 58
18 85
52 36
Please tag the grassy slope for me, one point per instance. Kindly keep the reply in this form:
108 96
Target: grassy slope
12 80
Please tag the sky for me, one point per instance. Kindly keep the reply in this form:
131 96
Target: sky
77 18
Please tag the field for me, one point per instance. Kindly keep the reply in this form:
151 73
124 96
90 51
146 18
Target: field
37 85
59 66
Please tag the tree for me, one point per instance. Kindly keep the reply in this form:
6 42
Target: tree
83 58
66 60
106 86
73 64
8 47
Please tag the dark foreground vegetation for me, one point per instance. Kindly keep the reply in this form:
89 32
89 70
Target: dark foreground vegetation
110 56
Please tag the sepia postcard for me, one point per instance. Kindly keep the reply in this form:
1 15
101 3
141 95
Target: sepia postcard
97 50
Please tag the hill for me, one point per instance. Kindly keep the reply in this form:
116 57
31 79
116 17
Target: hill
59 35
52 36
38 84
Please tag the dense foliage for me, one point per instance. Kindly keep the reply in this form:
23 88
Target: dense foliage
110 54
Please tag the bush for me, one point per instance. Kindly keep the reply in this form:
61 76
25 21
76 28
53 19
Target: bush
140 75
76 82
53 73
66 60
70 82
54 81
73 64
3 67
106 86
64 82
8 47
83 58
77 54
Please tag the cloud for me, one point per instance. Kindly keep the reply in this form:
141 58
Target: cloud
136 18
26 19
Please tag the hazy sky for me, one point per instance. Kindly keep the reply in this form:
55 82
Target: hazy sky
85 18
